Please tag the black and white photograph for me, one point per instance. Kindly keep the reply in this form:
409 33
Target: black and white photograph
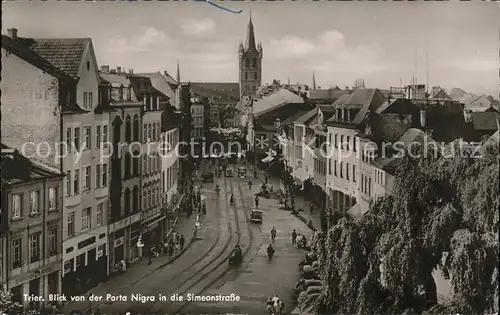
249 157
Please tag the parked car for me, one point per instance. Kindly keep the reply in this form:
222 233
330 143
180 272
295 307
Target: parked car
242 172
256 216
208 177
229 171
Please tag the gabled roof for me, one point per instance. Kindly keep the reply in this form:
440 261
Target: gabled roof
456 94
342 99
485 121
273 100
22 51
477 103
290 120
64 53
114 79
439 94
160 82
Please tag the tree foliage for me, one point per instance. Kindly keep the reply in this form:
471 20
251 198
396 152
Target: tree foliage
384 261
7 306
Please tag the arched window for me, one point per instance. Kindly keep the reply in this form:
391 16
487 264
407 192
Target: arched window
136 128
127 201
135 171
127 164
135 200
128 129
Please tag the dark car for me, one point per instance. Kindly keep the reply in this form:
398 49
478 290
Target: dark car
208 177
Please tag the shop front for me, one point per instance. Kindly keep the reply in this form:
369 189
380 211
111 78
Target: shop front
119 246
152 231
135 251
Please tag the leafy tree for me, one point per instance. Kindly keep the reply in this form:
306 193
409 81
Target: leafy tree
383 262
7 306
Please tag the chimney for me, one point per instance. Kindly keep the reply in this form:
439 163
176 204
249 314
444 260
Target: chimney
131 71
12 32
118 69
105 68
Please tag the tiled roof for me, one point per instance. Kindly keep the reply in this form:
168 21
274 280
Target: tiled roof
477 103
231 90
66 54
115 78
485 121
290 120
22 51
439 93
342 99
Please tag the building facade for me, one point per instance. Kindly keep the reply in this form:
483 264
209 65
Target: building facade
66 111
31 241
125 177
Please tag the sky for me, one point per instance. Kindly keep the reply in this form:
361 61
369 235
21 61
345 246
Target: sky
447 44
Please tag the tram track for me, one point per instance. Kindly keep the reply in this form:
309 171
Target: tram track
224 261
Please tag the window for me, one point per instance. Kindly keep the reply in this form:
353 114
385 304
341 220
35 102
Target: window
354 144
86 183
255 76
76 182
329 167
104 134
128 129
369 187
341 170
17 257
348 139
342 141
35 247
105 175
136 164
246 75
347 171
98 176
52 241
34 201
154 132
68 138
129 94
76 139
127 201
85 99
149 199
121 93
127 165
86 219
149 132
86 139
16 206
354 173
91 101
52 198
100 208
145 132
336 141
335 168
144 200
68 183
136 128
71 224
98 138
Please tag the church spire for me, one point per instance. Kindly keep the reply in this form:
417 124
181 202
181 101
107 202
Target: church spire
250 42
314 82
178 77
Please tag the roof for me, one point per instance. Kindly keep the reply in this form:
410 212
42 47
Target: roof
66 54
161 82
476 102
115 79
456 94
367 99
228 89
440 94
485 121
22 51
307 117
16 168
290 120
274 100
330 94
413 135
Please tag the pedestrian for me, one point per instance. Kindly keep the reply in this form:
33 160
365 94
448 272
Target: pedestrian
294 236
183 240
311 208
165 248
150 255
171 248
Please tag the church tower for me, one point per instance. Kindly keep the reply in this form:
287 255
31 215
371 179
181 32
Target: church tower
250 64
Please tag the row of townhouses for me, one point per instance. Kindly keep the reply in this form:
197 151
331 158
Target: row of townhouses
340 146
90 174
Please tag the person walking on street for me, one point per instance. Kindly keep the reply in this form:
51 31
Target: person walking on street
294 237
171 248
150 255
311 208
183 240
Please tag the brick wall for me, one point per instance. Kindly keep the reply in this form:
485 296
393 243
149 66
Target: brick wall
30 110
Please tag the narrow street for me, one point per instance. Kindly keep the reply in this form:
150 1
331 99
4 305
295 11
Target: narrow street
203 269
